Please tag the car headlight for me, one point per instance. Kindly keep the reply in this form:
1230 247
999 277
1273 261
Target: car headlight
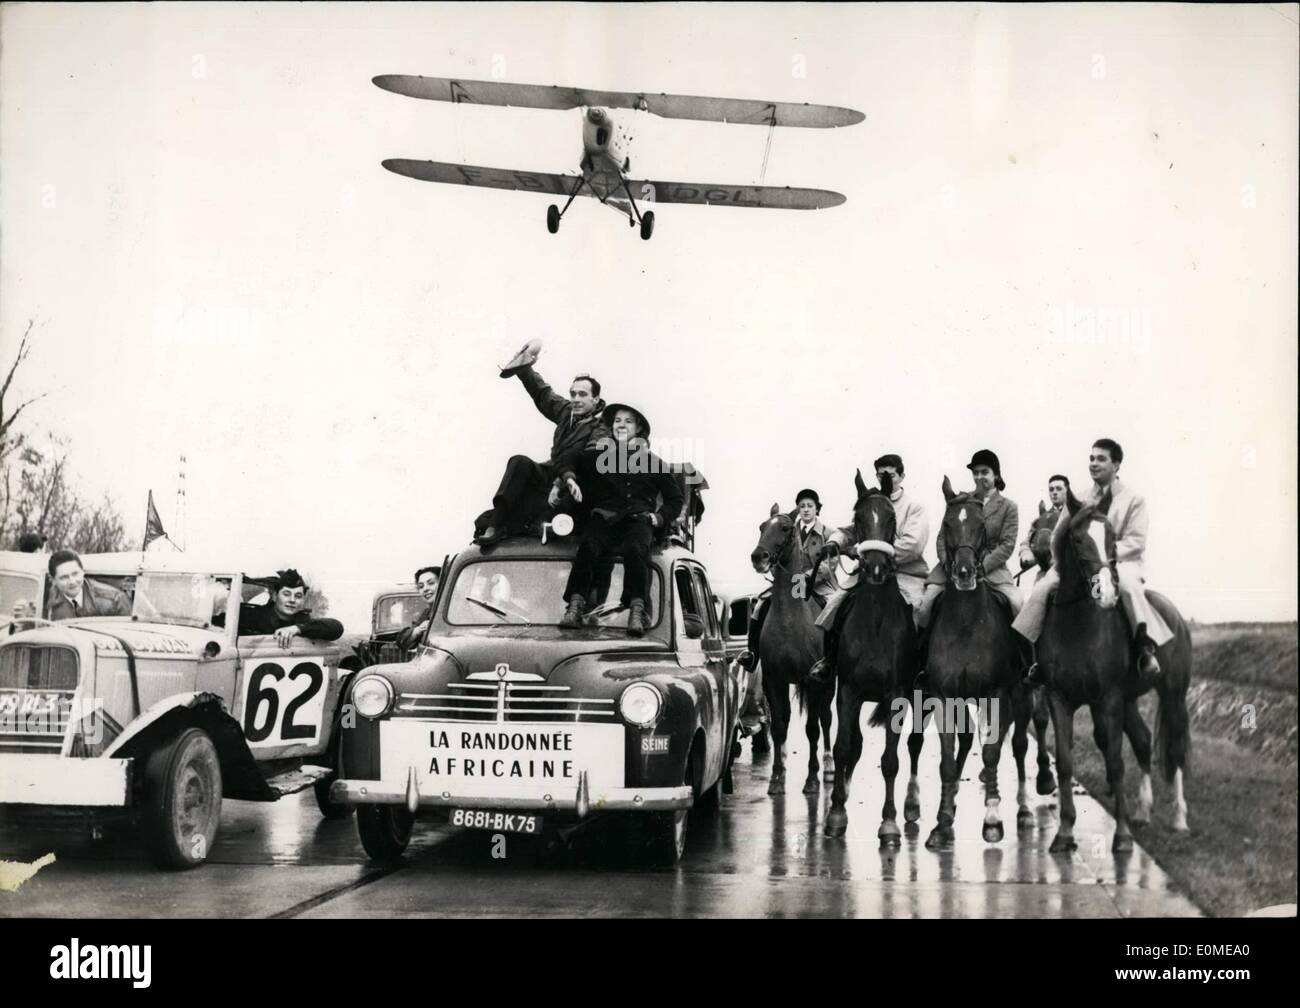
640 704
372 696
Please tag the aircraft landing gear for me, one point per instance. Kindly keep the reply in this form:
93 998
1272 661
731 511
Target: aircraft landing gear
647 225
646 220
552 218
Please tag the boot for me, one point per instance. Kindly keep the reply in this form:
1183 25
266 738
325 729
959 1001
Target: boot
823 670
572 617
922 656
636 618
747 660
1147 662
1029 658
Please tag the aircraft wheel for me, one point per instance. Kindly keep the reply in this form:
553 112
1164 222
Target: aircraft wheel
552 218
647 225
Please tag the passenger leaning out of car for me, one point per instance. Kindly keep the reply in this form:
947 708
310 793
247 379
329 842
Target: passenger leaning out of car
77 595
426 580
632 496
284 616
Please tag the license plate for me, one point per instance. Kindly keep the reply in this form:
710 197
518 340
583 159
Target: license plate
33 710
497 822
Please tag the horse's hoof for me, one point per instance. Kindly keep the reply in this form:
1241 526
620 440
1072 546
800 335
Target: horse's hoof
1062 844
837 823
776 786
1045 783
940 836
1122 844
812 785
911 811
728 784
993 832
1180 825
889 834
1140 817
1024 820
912 828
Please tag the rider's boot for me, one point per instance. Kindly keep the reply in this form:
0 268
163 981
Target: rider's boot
823 670
636 618
572 617
1147 662
1029 658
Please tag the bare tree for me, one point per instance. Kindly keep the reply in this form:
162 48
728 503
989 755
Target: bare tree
11 439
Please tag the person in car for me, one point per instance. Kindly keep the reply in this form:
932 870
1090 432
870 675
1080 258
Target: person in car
426 579
284 616
76 595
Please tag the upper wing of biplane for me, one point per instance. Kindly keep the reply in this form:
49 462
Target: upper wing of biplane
729 110
775 197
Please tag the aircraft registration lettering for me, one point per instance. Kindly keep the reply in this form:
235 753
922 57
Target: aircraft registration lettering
527 181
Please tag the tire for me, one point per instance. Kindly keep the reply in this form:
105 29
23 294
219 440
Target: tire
666 831
182 800
552 218
329 808
385 830
647 225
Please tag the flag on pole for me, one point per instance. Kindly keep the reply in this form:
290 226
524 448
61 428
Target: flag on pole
153 526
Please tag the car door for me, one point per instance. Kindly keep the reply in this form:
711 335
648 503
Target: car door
285 697
723 687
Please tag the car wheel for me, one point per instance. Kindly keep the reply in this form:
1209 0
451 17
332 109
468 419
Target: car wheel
329 808
667 830
182 800
385 830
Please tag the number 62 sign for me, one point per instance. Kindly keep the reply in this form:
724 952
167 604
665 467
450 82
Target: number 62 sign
284 703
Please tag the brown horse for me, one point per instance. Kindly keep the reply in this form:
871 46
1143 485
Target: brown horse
973 658
1086 657
876 659
789 645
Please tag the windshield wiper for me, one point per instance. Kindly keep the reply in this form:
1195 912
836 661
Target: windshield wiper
497 612
609 609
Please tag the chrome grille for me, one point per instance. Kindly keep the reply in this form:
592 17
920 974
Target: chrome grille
506 702
36 666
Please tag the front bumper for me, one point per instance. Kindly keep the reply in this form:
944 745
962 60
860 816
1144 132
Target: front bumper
578 802
66 781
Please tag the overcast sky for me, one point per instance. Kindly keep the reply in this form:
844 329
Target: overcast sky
1062 223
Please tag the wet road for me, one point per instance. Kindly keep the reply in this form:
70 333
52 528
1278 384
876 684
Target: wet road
758 856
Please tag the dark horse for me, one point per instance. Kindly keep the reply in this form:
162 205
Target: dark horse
789 645
973 658
876 660
1086 658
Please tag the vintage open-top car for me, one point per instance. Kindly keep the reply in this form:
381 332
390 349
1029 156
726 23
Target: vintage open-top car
506 721
158 715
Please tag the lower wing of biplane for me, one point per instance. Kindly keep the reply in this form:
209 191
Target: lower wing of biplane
615 190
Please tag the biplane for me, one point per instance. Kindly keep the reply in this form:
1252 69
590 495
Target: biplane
603 171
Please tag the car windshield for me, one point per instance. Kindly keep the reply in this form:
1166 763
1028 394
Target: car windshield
394 612
16 588
178 598
531 591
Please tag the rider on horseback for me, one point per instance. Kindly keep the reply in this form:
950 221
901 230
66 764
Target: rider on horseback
1057 487
913 530
1001 525
811 536
1127 514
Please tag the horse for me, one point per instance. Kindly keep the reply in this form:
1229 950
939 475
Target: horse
789 645
972 656
1086 656
876 660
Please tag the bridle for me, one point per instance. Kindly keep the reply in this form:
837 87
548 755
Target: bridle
977 550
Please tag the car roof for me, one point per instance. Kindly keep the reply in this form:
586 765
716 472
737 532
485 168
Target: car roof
24 563
556 548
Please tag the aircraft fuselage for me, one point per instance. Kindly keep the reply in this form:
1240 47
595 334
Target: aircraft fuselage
606 148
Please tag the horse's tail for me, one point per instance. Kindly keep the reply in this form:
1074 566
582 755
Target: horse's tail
1173 728
880 716
1173 725
801 693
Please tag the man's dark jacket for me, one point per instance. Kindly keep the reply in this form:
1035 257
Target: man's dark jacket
263 619
571 436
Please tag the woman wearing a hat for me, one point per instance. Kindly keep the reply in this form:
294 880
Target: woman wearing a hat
632 496
1001 526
